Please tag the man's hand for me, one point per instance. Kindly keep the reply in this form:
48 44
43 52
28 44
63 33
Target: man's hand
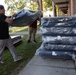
14 15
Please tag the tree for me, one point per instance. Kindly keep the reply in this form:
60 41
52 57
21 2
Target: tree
48 4
33 5
15 5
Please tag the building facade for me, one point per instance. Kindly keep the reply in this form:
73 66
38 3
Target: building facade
65 7
61 7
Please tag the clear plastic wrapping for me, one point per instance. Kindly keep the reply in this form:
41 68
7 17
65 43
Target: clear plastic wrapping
53 54
58 31
25 17
59 37
55 47
59 22
59 40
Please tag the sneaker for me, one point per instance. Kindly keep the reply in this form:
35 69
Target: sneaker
1 62
28 41
34 41
17 59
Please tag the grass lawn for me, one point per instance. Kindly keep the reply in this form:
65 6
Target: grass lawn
19 29
26 50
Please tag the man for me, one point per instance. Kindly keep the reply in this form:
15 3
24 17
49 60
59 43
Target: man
5 39
32 32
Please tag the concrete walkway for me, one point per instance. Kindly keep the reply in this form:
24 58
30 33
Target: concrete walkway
40 66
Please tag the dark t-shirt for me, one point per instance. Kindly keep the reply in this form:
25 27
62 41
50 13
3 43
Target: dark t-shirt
4 30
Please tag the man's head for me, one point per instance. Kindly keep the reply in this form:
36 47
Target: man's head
2 10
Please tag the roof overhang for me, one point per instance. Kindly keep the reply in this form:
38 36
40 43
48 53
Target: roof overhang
62 4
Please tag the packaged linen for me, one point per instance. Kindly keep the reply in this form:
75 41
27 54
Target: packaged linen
59 22
58 31
59 40
55 47
54 54
59 37
25 17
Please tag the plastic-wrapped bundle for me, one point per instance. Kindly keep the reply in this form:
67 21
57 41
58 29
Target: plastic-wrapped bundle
59 22
59 40
55 47
42 51
57 19
58 31
53 54
48 39
58 55
57 37
23 12
25 17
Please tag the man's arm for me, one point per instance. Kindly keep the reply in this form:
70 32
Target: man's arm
10 20
6 19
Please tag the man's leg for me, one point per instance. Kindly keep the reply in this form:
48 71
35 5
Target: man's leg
34 34
30 34
12 50
2 46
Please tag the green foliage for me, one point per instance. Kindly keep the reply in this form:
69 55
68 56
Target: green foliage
15 5
48 3
33 5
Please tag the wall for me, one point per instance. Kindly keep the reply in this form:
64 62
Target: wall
74 6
